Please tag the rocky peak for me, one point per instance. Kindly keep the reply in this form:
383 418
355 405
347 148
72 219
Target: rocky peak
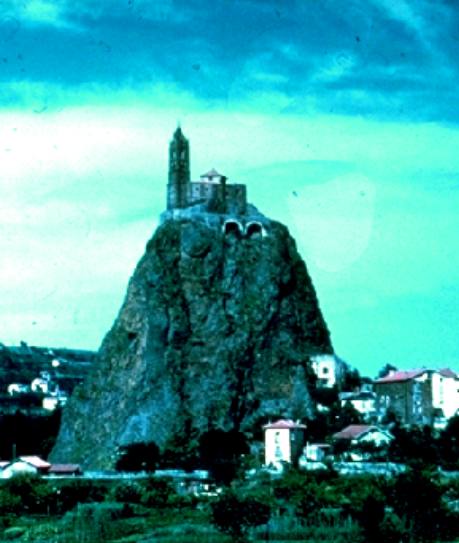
216 330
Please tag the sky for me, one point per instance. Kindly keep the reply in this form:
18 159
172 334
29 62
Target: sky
341 117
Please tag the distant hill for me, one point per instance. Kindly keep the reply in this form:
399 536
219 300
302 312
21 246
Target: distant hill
22 364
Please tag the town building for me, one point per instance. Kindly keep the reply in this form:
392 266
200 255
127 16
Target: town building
65 470
32 465
420 396
363 401
284 442
356 434
316 452
325 367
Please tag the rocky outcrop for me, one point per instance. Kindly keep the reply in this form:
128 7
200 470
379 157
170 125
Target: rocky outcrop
216 330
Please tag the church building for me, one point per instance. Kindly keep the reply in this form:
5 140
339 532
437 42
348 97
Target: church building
212 190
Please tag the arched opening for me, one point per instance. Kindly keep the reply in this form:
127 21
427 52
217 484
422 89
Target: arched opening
232 228
254 229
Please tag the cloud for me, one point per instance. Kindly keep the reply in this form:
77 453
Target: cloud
308 59
36 13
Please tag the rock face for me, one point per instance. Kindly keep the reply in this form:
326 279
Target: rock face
215 332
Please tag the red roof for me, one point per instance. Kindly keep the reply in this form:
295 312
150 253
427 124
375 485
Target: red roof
284 424
35 461
446 372
400 376
354 431
63 469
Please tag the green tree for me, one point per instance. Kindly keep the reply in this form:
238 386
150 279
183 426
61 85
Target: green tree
385 370
448 444
371 516
413 446
220 452
351 380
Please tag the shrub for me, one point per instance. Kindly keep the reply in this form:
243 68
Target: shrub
33 493
15 532
392 530
234 515
71 493
417 498
9 503
157 493
91 522
127 492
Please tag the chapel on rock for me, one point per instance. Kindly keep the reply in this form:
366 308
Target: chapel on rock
212 190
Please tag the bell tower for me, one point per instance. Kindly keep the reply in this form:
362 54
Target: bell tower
179 171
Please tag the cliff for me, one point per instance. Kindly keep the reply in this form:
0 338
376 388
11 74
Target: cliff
215 332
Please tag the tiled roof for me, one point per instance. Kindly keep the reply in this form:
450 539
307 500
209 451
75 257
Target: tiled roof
446 372
35 461
65 468
399 376
353 431
284 424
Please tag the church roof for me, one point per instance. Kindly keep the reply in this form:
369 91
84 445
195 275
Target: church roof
212 173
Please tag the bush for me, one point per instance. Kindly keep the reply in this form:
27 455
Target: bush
91 522
417 497
158 493
15 532
9 503
392 530
69 494
127 492
304 494
234 515
33 494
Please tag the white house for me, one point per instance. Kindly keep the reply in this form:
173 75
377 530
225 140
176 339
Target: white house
284 440
16 467
419 396
359 434
51 402
24 464
17 388
363 433
363 401
325 367
445 392
39 385
316 452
